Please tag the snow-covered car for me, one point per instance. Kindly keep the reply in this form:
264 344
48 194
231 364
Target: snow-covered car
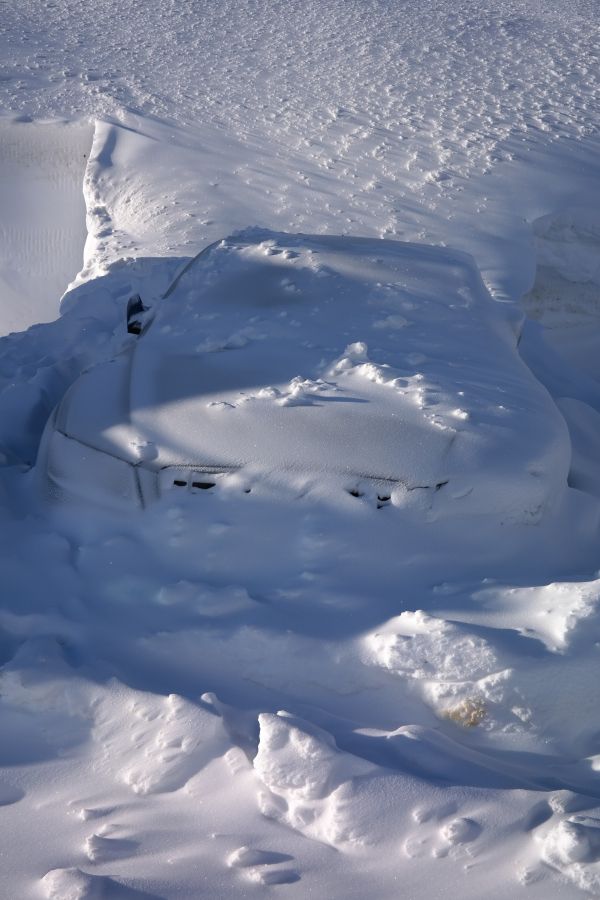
384 367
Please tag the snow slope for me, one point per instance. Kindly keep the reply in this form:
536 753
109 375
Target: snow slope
294 691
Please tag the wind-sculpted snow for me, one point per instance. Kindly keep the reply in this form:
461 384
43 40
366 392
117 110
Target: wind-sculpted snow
367 117
298 683
350 79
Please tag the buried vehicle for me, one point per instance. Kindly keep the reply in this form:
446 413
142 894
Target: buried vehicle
385 367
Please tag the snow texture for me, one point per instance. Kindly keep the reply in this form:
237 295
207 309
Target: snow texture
316 678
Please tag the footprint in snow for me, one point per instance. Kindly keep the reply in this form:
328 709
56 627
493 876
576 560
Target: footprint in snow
456 832
86 813
447 835
237 761
422 814
257 865
416 847
175 740
102 846
74 884
566 829
273 876
527 875
571 846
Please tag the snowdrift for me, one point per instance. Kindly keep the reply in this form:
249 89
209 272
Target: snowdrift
378 362
42 218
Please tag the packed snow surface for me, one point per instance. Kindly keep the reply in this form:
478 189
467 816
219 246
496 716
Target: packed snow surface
317 678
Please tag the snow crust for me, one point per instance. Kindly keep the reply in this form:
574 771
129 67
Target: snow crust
277 686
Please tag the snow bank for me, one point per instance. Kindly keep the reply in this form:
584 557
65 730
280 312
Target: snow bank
439 671
42 223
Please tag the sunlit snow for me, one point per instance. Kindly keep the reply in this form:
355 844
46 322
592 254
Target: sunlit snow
300 588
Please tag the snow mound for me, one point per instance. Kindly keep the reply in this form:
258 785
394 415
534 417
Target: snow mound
309 780
179 740
75 884
458 674
572 847
417 645
285 353
553 613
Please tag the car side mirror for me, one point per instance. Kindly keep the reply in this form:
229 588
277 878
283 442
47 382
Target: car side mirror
135 314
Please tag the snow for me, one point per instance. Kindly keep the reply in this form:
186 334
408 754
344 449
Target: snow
246 367
43 217
296 690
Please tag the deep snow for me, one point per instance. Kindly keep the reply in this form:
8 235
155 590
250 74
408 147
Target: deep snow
295 691
43 217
